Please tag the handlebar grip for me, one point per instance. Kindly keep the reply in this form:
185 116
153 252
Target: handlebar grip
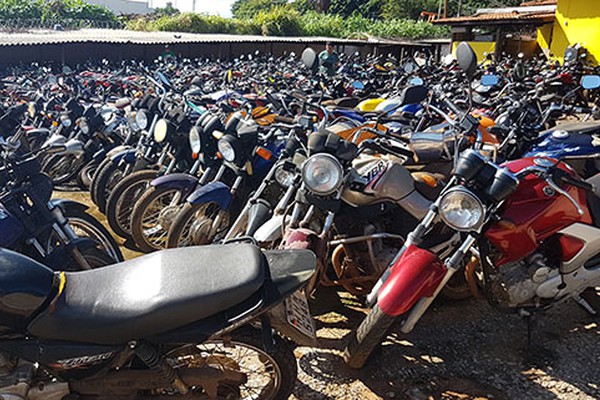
567 179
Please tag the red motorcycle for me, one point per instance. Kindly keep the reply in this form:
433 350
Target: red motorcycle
526 233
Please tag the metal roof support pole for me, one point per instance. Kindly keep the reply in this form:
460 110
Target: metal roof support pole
499 49
62 53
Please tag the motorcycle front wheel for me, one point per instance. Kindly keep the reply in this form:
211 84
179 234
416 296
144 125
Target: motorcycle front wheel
196 225
122 199
367 337
108 175
62 168
85 225
269 375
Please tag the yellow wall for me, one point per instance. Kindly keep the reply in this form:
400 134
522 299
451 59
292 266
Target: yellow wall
577 21
478 47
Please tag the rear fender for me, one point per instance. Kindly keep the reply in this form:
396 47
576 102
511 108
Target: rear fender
213 192
186 183
416 274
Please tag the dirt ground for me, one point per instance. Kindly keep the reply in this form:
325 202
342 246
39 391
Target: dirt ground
459 350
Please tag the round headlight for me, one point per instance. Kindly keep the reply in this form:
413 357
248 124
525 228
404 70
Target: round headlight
284 177
195 141
141 119
66 121
160 130
322 174
461 210
226 149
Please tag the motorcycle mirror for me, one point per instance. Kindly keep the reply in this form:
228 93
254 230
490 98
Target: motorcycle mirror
590 82
467 60
309 58
408 67
292 55
489 80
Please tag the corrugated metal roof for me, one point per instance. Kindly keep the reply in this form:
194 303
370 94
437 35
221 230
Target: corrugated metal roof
42 37
498 17
538 3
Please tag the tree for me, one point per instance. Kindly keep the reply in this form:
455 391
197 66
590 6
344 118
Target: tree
245 9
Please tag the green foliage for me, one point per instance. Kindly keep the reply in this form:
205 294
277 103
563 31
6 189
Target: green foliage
408 8
285 21
54 10
280 21
167 10
248 9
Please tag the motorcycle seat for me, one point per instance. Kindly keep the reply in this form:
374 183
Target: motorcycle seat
151 294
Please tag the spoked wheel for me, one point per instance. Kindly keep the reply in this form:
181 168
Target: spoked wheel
123 198
84 178
261 375
62 168
85 225
152 216
108 176
197 224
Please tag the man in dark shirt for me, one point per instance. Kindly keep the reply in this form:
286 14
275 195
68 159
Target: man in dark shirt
328 60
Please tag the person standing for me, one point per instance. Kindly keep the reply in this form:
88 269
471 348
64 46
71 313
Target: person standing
328 60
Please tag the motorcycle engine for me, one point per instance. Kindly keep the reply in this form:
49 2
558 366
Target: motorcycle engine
515 284
15 379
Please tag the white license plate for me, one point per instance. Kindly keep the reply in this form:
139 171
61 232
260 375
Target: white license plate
298 314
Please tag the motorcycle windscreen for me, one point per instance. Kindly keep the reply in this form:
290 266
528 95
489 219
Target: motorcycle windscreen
416 274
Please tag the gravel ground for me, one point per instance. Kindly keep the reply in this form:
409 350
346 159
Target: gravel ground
458 351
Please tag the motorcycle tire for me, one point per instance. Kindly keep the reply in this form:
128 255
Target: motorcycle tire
95 257
94 185
243 351
150 219
179 231
104 182
367 337
62 168
122 199
84 178
85 225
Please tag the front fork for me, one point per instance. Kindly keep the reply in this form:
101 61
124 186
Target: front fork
66 235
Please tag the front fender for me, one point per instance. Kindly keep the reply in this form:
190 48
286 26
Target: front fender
117 149
184 182
69 205
416 274
216 192
126 155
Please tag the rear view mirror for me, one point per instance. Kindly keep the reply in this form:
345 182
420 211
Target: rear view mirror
409 67
489 80
309 57
590 82
467 60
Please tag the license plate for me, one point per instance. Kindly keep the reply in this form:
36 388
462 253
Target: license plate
298 314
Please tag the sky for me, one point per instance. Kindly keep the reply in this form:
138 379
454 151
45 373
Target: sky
219 7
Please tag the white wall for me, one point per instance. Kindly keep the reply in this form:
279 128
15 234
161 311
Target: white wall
124 6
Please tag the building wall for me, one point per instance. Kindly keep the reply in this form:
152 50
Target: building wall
577 21
124 6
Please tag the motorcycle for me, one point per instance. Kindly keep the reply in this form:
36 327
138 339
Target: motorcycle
525 233
125 332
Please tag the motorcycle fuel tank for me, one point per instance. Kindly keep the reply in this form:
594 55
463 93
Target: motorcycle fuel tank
383 178
25 286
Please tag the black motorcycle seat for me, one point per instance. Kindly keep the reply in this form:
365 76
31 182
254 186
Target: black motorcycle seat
151 294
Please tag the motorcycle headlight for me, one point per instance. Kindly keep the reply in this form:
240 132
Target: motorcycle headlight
461 210
195 140
66 121
284 177
160 130
226 149
322 174
141 119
